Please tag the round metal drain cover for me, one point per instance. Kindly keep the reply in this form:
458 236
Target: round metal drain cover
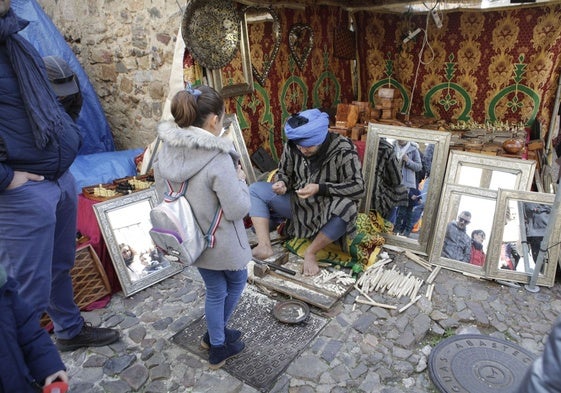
477 363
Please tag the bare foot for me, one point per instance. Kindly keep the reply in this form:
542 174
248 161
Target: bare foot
311 267
262 252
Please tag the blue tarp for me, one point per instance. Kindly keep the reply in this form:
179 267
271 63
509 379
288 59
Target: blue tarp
99 168
46 38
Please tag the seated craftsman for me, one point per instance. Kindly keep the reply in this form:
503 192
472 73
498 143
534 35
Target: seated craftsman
318 187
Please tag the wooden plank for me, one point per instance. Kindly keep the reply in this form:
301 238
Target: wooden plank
294 290
301 287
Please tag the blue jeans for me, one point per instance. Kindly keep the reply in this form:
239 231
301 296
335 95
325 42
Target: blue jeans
265 203
223 291
38 247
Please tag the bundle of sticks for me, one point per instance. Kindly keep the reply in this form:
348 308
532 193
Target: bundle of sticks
392 282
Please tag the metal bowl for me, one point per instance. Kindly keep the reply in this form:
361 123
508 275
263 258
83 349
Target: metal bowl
291 311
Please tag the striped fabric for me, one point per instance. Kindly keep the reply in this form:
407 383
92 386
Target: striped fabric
388 191
338 171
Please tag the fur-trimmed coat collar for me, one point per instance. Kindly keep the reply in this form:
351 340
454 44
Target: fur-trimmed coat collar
185 151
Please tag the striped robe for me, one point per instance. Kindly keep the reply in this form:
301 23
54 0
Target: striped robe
339 175
387 191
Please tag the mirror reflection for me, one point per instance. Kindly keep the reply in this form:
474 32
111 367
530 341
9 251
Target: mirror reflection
464 230
489 172
466 236
131 226
414 161
125 224
522 221
404 170
525 226
486 178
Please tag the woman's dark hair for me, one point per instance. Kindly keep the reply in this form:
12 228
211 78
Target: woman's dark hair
190 109
128 260
477 232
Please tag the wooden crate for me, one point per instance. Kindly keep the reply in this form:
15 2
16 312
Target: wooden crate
89 280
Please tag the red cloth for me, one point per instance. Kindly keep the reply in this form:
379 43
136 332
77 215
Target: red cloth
360 148
87 225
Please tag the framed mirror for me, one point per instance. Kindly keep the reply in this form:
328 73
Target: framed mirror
234 132
124 223
489 172
521 218
380 142
236 77
264 32
465 213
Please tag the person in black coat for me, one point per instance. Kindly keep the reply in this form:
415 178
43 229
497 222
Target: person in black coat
544 375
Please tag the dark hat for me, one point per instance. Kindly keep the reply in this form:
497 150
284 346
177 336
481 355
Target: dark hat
61 76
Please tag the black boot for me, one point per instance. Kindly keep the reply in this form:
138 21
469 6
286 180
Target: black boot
232 335
88 337
218 354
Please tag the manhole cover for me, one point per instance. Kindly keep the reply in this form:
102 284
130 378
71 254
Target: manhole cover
474 363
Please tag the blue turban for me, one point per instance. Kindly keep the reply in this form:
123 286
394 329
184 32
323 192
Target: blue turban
308 128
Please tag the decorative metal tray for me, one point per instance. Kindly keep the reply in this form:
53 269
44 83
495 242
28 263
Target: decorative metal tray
211 31
291 311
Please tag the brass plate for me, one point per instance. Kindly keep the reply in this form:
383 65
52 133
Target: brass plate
211 31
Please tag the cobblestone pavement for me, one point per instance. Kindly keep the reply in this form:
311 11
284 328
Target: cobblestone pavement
361 349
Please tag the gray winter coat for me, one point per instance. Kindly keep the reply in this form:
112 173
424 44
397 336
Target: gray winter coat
209 163
411 166
457 243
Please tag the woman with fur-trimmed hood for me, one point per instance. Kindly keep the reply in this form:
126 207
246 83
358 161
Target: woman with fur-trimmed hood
192 151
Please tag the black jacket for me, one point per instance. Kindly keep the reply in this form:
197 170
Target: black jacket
544 375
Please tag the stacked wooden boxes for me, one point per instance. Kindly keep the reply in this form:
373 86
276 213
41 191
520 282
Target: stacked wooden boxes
345 119
387 103
358 132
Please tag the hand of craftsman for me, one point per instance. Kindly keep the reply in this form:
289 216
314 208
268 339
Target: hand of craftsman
279 188
20 178
311 267
308 190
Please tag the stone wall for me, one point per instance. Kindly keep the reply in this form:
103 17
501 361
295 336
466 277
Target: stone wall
126 47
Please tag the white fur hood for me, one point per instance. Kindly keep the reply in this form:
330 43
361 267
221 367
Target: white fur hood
185 151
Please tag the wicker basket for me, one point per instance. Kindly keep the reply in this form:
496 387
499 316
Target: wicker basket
89 280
